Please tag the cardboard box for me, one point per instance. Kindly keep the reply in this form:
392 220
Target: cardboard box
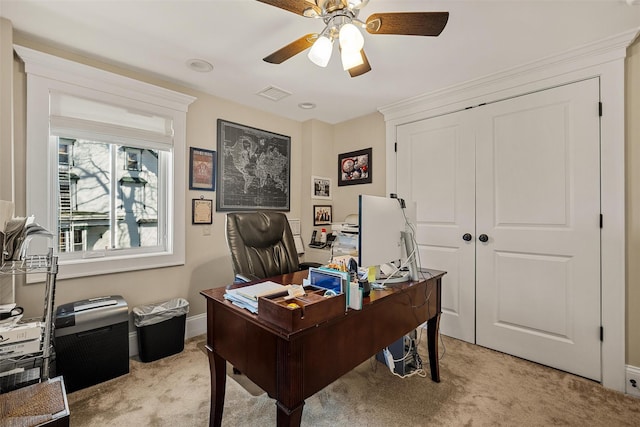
20 332
10 351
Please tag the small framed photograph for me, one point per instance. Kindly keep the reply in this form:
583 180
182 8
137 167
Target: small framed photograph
354 167
202 173
202 211
320 188
322 215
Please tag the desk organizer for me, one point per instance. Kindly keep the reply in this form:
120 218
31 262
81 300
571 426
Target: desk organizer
313 308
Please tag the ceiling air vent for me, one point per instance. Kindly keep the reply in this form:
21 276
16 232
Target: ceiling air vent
274 93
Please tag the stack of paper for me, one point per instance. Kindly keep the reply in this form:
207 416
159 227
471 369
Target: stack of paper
247 296
20 339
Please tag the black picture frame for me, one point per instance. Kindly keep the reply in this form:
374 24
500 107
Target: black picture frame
202 211
321 188
322 215
355 167
202 169
254 168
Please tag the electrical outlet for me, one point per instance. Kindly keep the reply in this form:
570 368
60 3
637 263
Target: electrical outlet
633 382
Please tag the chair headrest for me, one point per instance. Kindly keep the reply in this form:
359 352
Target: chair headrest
259 229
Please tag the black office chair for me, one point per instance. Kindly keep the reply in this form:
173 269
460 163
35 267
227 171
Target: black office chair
261 245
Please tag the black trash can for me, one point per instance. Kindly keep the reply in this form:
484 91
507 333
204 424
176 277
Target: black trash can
160 328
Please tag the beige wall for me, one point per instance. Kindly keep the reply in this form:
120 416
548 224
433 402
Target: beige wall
632 97
6 108
363 132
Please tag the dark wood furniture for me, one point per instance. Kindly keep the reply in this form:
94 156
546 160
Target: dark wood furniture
292 366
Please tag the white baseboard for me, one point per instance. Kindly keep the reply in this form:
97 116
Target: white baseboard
632 375
195 325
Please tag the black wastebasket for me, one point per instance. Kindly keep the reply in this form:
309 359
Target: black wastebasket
160 328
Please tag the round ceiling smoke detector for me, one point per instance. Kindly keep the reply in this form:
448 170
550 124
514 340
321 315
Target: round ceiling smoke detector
307 105
199 65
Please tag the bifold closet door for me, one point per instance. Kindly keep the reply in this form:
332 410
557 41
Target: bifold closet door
436 168
508 203
538 204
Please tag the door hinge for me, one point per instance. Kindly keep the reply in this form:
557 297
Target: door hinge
601 333
395 147
601 220
600 109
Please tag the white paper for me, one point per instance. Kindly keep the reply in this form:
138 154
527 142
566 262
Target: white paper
6 212
299 245
261 289
295 226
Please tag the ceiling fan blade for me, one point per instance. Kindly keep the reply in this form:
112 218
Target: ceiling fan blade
292 49
359 70
408 23
296 6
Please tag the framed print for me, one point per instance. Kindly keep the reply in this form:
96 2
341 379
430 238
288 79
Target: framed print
202 211
320 188
354 167
202 174
322 215
253 168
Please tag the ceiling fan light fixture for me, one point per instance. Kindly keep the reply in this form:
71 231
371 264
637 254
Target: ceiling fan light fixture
357 4
351 58
320 52
351 38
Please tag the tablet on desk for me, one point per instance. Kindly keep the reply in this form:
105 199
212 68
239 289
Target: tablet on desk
328 279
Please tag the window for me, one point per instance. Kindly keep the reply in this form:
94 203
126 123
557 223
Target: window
105 166
91 186
132 161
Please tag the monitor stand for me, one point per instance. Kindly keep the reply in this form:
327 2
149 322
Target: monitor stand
411 254
397 277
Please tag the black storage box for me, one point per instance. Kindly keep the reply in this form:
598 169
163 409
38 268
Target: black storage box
160 329
92 341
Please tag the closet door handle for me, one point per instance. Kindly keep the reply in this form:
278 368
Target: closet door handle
467 237
483 238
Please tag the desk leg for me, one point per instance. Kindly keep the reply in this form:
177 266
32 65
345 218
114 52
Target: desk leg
433 326
286 417
218 370
290 374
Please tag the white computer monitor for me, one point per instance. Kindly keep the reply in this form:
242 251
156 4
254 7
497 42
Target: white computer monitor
385 233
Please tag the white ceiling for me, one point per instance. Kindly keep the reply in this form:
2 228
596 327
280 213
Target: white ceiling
482 37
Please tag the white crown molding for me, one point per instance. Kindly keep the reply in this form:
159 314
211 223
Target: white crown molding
465 94
56 68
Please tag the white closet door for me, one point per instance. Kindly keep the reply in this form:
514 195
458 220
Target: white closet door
436 169
538 201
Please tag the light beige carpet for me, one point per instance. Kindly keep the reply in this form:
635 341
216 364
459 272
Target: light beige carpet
479 387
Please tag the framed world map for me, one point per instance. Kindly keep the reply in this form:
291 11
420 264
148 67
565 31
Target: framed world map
254 169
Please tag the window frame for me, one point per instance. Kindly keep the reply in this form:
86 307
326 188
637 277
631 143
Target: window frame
46 74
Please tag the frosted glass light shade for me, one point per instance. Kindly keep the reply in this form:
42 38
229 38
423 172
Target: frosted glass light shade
351 38
351 58
320 52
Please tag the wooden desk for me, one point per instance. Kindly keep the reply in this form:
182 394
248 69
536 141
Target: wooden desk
292 366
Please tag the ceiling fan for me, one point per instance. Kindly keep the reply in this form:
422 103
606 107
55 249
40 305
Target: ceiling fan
341 23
